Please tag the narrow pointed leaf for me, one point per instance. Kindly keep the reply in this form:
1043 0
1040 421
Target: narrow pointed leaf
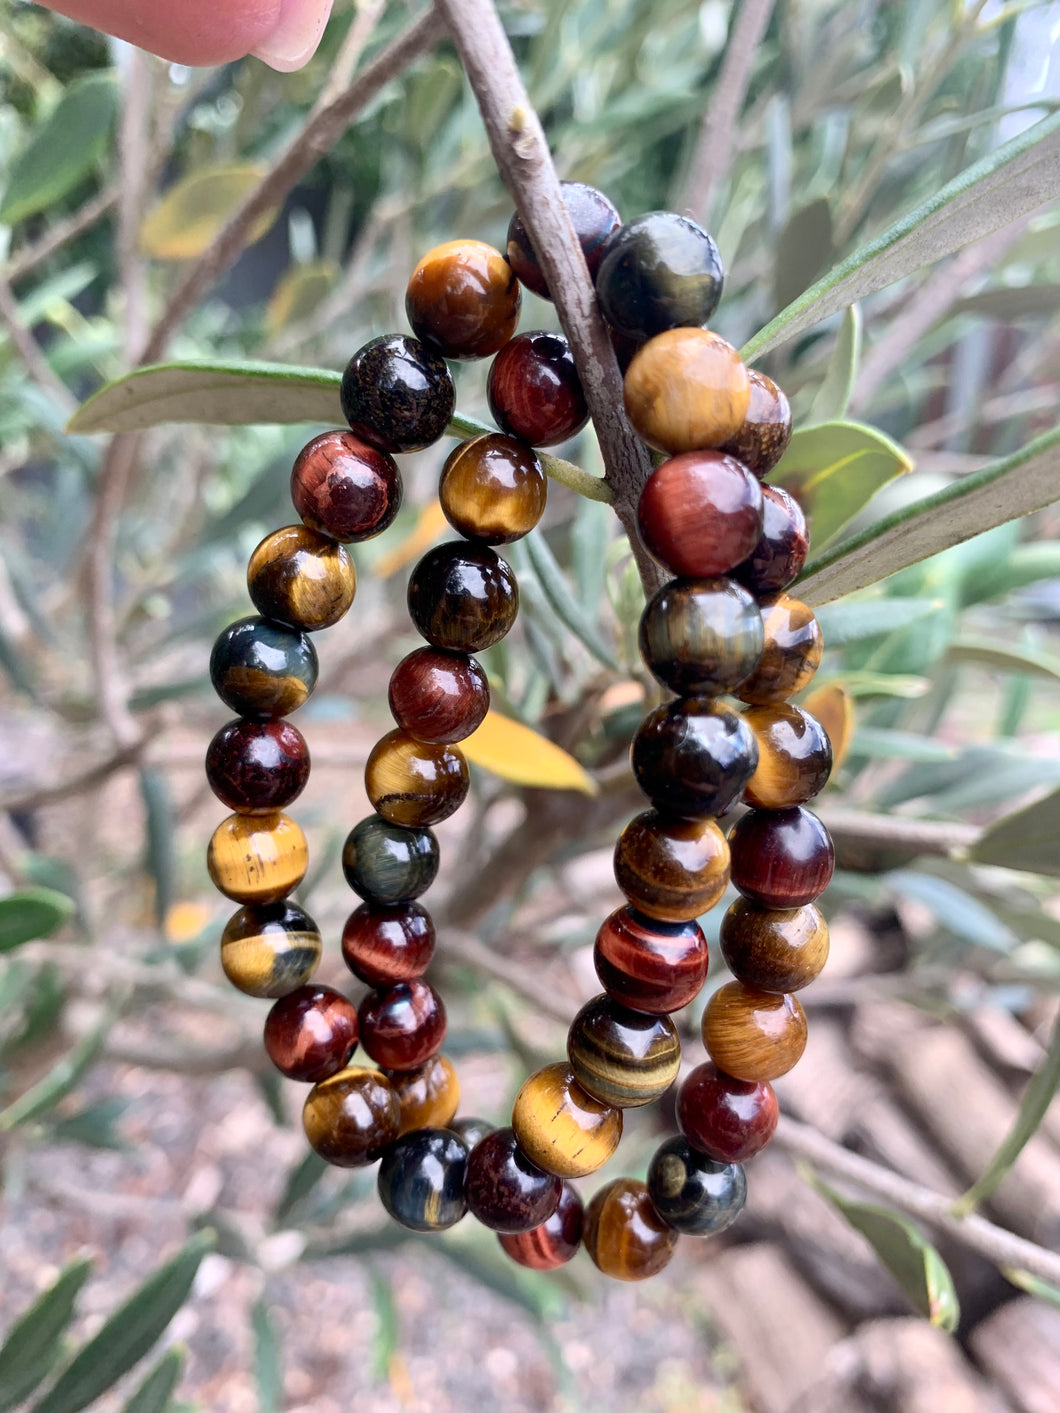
197 208
300 1183
1025 840
953 909
301 291
562 599
268 1360
856 620
387 1330
60 1079
1033 1285
160 859
64 150
878 743
32 1345
513 751
30 913
833 396
157 1389
983 652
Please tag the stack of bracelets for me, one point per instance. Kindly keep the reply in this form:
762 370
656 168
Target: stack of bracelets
723 625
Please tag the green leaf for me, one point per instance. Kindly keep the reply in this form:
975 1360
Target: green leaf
387 1329
32 1344
1007 184
878 743
1021 483
94 1126
129 1333
953 909
984 653
833 396
194 211
1025 840
562 599
1026 564
30 913
834 469
268 1360
1019 302
1033 1285
160 858
300 1183
60 1079
158 1388
64 150
299 293
860 619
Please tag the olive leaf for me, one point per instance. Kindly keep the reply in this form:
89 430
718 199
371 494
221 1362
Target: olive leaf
833 396
157 1389
1026 839
31 1348
64 149
195 210
515 752
29 913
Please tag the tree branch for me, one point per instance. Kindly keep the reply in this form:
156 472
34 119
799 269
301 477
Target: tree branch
32 256
926 836
31 353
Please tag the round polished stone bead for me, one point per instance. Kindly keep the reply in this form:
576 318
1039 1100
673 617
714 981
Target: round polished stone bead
257 767
352 1117
621 1057
774 949
472 1130
463 596
560 1127
777 560
257 858
422 1179
534 391
311 1033
439 696
792 653
429 1095
700 514
661 271
650 965
345 488
397 395
624 1234
752 1034
693 757
728 1119
301 577
781 858
387 863
403 1026
505 1190
763 438
700 637
670 868
271 949
694 1194
493 489
261 669
794 757
594 219
554 1242
463 299
383 944
686 390
414 783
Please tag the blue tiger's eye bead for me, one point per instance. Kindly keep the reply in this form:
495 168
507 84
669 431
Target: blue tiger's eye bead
263 670
422 1179
660 271
693 1194
388 863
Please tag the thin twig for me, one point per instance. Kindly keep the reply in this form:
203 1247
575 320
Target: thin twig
349 56
30 351
75 785
925 836
31 257
133 150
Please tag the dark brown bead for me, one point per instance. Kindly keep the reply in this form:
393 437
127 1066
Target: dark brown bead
311 1033
351 1117
492 489
439 696
397 394
700 637
429 1095
781 858
763 438
621 1057
345 488
463 596
670 868
403 1026
728 1119
301 577
505 1190
752 1034
534 391
793 650
686 390
257 767
383 945
700 514
624 1234
693 757
463 299
594 219
650 965
794 757
415 784
777 559
774 950
554 1242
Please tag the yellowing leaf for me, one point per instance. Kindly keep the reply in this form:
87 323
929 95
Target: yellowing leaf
302 290
186 920
514 752
833 706
197 208
429 526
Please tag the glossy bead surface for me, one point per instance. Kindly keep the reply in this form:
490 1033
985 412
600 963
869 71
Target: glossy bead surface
270 950
397 395
345 488
261 669
700 514
661 271
593 217
794 757
438 696
692 1193
534 391
257 858
763 438
429 1095
686 390
560 1127
492 489
781 858
670 868
777 559
383 944
554 1242
793 650
728 1119
403 1026
352 1117
414 783
463 299
621 1057
774 949
693 757
505 1190
624 1234
301 577
311 1033
422 1178
752 1034
650 965
257 767
387 863
463 596
701 636
472 1130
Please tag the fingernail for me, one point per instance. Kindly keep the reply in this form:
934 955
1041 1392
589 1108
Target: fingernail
294 40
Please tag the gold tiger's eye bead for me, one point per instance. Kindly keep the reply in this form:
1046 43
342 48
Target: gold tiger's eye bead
687 390
773 949
670 868
752 1034
624 1234
794 757
257 858
793 650
429 1095
463 299
270 950
414 783
560 1127
493 489
301 577
352 1117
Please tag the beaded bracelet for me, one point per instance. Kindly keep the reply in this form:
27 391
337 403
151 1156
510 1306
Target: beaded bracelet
723 626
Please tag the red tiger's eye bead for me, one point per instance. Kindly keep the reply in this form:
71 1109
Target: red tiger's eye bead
310 1033
383 945
257 767
554 1242
438 696
534 391
777 560
700 514
463 299
763 438
781 858
403 1026
505 1190
650 965
728 1119
345 488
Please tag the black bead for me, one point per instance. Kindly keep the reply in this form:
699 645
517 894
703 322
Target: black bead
693 757
661 271
388 863
261 669
463 596
422 1179
397 394
692 1193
